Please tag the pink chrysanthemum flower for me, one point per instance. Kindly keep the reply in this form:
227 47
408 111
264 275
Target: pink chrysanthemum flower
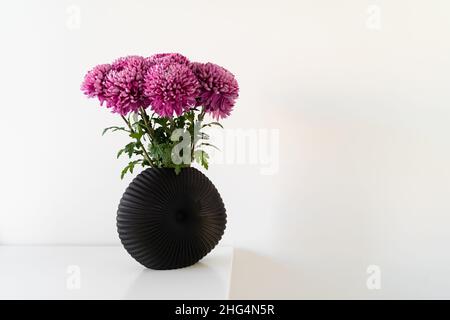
167 58
171 88
124 85
218 89
93 84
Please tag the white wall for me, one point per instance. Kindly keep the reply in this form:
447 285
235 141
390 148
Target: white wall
363 115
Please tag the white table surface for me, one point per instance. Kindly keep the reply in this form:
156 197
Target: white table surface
106 272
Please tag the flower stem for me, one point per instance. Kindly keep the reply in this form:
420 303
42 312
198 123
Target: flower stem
146 156
201 115
148 126
172 123
199 121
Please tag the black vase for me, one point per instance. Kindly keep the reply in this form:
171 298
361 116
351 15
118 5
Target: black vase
168 221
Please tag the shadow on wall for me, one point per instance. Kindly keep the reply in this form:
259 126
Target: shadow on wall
260 277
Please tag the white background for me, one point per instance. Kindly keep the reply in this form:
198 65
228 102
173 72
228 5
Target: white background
363 115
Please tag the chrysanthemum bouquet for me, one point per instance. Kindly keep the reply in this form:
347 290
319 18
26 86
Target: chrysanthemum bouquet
163 100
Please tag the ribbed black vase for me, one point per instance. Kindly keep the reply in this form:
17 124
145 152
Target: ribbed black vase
169 221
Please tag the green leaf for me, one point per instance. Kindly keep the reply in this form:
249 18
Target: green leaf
120 153
124 172
161 121
205 158
177 169
140 127
129 167
190 116
136 135
162 152
180 121
129 149
114 129
156 150
209 145
203 136
212 124
202 158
